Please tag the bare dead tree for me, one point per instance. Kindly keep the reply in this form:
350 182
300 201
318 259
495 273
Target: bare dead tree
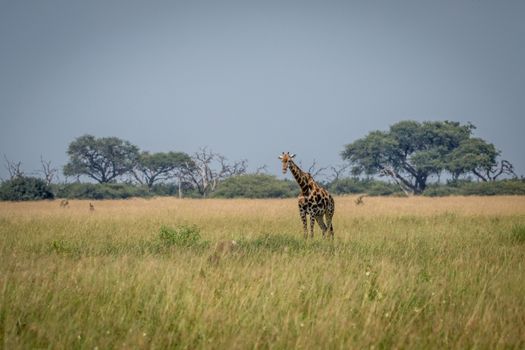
199 173
13 168
227 170
338 171
263 169
315 170
209 168
75 179
50 173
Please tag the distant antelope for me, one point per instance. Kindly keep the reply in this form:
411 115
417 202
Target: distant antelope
64 203
91 207
359 200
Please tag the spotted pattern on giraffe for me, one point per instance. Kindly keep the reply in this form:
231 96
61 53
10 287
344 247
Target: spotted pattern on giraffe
314 200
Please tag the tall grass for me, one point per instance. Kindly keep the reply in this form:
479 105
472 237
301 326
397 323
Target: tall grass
401 273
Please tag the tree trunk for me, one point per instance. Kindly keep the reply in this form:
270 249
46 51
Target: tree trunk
421 184
480 177
403 184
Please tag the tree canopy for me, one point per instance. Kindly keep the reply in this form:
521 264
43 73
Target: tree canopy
101 159
151 168
410 152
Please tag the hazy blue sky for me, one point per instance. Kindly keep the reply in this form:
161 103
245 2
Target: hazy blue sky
251 79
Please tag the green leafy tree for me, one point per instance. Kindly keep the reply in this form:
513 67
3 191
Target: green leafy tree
472 155
409 152
103 159
152 168
478 157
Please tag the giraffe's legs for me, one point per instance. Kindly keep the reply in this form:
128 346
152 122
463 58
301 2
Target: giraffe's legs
302 213
305 225
329 215
329 225
321 223
312 221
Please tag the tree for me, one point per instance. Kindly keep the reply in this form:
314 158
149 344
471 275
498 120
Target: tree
337 172
410 152
478 157
50 173
315 170
13 168
155 167
207 169
103 159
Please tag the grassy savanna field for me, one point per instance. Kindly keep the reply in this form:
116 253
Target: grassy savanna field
401 273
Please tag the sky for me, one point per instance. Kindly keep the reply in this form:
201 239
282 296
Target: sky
251 79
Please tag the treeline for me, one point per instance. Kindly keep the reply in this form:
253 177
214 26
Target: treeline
245 186
410 155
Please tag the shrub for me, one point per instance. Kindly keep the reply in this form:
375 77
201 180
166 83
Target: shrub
101 191
503 187
348 185
467 188
172 189
380 188
180 236
25 188
255 186
440 190
368 186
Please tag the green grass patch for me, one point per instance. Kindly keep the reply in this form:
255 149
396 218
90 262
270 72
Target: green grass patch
181 236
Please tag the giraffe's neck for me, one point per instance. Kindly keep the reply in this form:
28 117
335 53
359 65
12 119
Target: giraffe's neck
299 176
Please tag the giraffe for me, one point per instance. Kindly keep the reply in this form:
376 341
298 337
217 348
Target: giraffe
313 200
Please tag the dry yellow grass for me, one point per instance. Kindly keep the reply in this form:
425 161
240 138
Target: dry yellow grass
471 205
401 273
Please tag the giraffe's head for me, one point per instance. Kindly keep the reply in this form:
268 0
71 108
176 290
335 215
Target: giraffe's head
285 159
